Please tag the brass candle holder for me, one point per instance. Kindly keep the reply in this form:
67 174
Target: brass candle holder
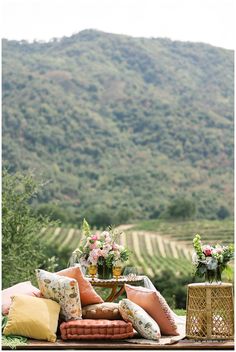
92 271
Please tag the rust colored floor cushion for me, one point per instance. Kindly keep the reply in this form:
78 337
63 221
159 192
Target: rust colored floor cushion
91 329
23 288
87 293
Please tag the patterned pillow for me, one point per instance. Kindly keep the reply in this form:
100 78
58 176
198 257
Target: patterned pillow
156 306
141 321
89 329
63 290
106 310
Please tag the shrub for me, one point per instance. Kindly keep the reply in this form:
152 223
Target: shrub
223 213
182 208
22 250
173 287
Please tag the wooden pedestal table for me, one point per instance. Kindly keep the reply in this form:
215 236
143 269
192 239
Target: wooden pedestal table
117 286
210 312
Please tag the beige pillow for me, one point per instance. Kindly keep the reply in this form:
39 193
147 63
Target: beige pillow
106 310
141 320
63 290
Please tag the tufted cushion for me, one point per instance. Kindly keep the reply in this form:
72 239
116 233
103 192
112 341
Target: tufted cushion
89 329
63 290
141 320
87 293
23 288
106 310
156 306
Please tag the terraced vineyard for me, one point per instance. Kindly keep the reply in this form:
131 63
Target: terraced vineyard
155 245
214 231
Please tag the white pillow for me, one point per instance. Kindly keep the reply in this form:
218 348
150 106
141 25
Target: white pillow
141 320
63 290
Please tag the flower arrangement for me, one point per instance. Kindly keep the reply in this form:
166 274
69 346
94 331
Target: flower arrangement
210 260
100 248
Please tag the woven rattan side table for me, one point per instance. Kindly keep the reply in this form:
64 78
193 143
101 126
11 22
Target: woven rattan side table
210 312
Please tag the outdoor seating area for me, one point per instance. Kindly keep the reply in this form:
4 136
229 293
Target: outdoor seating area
82 320
68 309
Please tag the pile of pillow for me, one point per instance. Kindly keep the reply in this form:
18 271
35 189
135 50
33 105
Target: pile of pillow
149 313
68 298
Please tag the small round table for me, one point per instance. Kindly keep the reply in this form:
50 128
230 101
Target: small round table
117 286
210 312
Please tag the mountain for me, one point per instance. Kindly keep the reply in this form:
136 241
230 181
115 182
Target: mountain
121 124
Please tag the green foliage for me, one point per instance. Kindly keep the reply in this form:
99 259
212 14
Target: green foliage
182 208
121 123
173 287
12 341
223 213
22 251
53 212
86 228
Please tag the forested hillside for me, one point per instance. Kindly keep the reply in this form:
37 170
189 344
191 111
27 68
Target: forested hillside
121 125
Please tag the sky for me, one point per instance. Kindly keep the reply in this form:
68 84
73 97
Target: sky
208 21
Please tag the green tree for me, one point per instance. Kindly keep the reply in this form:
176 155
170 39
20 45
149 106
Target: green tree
22 249
223 212
182 208
54 212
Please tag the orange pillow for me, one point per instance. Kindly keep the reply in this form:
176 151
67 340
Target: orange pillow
87 293
23 288
156 306
91 329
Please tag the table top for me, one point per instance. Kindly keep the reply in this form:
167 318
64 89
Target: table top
213 285
121 280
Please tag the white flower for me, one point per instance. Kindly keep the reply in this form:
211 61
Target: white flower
84 262
211 263
195 258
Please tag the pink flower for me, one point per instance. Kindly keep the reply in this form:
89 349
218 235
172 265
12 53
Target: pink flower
93 245
115 246
95 237
106 236
219 250
94 255
207 250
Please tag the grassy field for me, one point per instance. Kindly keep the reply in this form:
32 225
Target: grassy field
155 245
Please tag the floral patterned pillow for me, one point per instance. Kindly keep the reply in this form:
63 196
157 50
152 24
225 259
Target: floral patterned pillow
63 290
141 321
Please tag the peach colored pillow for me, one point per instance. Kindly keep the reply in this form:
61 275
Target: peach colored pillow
23 288
87 293
89 329
156 306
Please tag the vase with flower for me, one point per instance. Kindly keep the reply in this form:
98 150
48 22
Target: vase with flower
102 250
211 260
